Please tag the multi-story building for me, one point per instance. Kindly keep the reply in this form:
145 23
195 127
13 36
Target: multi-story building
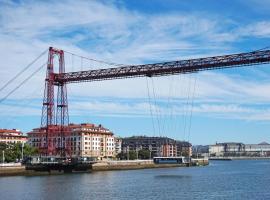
239 149
216 150
262 149
12 136
183 148
85 140
200 150
118 145
159 146
226 149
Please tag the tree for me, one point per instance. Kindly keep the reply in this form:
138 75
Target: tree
29 150
13 151
144 154
121 156
132 155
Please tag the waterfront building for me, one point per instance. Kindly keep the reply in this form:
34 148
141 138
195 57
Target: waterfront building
12 136
262 149
158 146
86 140
226 149
200 150
239 149
118 145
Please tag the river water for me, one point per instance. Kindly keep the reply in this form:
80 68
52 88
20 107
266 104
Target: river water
245 179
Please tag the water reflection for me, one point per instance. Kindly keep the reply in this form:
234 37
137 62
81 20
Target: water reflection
173 176
220 180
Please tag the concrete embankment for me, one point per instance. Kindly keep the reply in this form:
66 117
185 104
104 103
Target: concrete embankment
19 171
128 165
101 166
239 158
141 164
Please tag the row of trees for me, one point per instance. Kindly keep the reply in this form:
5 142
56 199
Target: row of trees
133 155
13 151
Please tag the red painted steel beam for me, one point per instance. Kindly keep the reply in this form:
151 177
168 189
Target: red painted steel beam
167 68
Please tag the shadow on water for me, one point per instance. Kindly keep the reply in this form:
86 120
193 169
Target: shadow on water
172 176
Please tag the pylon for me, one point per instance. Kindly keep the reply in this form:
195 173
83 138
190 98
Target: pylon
56 125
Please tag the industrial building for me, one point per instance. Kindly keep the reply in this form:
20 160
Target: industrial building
85 140
9 136
158 146
239 149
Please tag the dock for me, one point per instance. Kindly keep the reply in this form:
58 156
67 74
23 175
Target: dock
52 169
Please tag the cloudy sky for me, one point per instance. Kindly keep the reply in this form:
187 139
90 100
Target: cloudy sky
204 108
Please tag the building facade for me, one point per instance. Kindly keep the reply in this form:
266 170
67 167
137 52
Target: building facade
262 149
12 136
239 149
158 146
118 145
85 140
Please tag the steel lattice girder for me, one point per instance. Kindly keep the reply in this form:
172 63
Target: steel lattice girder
167 68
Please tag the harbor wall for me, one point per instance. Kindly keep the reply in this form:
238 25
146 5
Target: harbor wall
239 158
100 166
132 164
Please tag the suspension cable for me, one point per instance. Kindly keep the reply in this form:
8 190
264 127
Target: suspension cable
156 106
187 105
169 106
24 104
192 106
22 83
95 60
23 70
150 107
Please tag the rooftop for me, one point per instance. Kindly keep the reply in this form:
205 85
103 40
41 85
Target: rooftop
10 131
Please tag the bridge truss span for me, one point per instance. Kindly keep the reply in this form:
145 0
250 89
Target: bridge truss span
167 68
55 119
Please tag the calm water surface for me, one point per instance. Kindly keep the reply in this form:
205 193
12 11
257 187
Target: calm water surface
219 180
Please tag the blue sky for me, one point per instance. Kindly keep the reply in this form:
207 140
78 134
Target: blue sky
208 107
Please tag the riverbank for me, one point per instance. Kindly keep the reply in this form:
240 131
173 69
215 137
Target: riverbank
239 158
101 166
129 165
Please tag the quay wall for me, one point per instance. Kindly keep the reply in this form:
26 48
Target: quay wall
239 158
100 166
21 171
128 165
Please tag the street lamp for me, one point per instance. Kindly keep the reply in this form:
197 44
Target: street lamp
22 150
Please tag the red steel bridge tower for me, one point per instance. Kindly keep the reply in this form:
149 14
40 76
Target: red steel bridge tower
54 122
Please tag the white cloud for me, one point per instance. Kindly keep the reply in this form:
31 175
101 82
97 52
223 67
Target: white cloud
105 31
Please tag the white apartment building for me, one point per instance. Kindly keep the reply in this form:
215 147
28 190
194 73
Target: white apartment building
9 136
86 140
